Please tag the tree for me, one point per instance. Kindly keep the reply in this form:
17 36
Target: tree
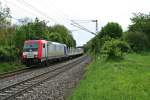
65 34
138 41
141 23
31 30
55 37
4 16
39 30
109 31
7 50
13 37
112 30
4 24
114 48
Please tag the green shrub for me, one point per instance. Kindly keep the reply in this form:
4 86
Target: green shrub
138 41
111 29
7 53
114 48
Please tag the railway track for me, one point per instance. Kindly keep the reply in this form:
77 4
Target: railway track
12 73
23 70
16 90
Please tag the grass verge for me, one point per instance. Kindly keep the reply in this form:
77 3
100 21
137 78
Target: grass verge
10 66
128 79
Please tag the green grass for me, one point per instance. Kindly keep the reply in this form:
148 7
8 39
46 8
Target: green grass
128 79
10 66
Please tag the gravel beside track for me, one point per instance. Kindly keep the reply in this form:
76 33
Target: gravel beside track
9 74
32 73
68 77
58 88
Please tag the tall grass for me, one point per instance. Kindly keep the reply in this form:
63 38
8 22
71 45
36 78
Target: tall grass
128 79
10 66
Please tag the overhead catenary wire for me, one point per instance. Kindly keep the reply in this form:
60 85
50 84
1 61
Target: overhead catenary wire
81 27
21 8
65 16
70 19
23 2
35 13
81 21
37 10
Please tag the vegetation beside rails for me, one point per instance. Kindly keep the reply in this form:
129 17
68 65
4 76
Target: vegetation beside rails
127 79
10 66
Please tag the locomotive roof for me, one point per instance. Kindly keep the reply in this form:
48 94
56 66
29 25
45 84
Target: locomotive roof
56 43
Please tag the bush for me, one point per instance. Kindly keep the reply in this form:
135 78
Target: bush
113 30
138 41
7 54
114 48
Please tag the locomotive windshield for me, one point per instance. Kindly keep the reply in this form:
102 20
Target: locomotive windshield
30 46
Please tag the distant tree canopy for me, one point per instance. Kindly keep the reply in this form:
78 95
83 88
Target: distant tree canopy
12 37
140 22
4 24
139 32
55 37
112 30
6 35
136 38
138 41
4 16
39 30
64 33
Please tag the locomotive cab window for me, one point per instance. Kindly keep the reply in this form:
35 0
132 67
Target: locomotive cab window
30 46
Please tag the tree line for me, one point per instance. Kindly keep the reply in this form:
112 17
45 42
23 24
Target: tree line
12 37
112 42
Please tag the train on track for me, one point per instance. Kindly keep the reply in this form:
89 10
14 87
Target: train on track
43 51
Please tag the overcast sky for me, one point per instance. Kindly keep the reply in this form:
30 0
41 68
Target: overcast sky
62 11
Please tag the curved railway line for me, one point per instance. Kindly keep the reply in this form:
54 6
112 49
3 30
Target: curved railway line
19 71
27 69
16 90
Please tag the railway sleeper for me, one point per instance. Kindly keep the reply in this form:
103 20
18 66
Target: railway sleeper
24 87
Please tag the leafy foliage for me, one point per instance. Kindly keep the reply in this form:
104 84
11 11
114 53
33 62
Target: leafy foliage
39 30
138 35
94 46
4 16
55 37
13 37
114 48
64 33
4 24
6 53
138 41
7 50
112 30
140 22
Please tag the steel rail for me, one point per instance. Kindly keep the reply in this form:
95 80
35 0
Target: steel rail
11 92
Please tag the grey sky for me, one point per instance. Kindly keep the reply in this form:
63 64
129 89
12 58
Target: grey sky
62 11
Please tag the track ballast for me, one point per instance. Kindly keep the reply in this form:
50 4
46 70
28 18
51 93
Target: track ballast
16 90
